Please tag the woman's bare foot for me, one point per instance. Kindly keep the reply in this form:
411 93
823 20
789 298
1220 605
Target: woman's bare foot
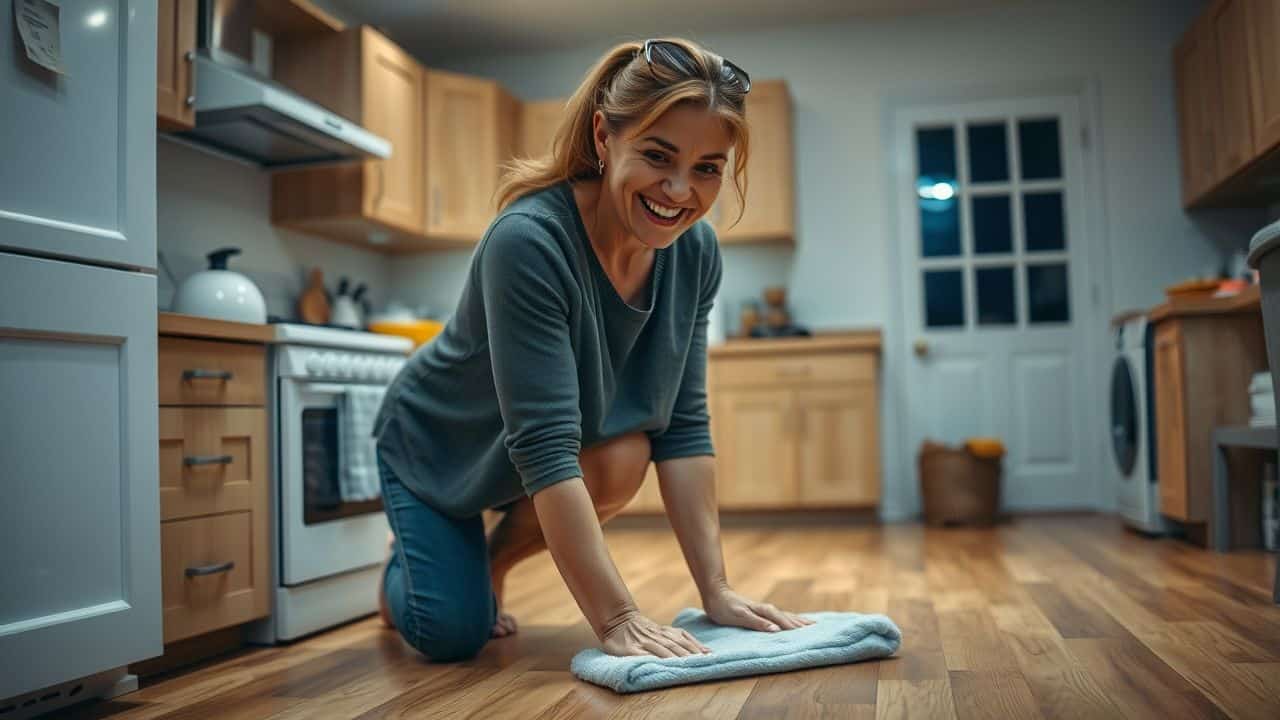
384 612
506 623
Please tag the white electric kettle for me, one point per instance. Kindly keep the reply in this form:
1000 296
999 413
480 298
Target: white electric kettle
220 293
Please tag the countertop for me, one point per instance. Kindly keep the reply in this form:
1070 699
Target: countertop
1249 300
844 341
200 327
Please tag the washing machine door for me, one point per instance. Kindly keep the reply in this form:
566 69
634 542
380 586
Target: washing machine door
1124 416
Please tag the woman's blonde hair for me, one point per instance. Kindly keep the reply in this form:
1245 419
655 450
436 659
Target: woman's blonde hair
628 90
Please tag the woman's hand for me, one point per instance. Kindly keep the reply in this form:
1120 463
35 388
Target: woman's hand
726 607
638 635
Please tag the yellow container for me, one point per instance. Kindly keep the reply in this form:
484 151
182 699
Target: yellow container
420 332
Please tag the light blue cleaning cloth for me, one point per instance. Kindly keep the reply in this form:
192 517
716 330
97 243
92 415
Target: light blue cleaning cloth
835 638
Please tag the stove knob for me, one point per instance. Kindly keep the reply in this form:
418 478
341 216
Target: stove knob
313 363
348 365
364 368
329 362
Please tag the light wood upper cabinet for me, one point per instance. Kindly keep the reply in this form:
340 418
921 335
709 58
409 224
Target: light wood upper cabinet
175 64
1228 24
1264 73
538 123
364 77
1227 68
471 126
1194 70
770 200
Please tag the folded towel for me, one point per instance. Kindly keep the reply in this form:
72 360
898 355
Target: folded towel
835 638
357 449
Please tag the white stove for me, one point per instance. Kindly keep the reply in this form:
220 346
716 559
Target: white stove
328 545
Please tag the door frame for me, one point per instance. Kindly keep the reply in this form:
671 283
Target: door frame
901 497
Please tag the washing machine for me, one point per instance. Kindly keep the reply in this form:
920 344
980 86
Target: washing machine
1133 440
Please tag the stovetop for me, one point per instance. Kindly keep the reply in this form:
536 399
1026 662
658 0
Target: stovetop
288 332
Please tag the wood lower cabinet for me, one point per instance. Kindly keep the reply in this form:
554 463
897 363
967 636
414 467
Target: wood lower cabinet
1204 362
214 475
795 424
175 64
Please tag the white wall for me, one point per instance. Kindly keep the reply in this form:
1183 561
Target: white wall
205 202
844 77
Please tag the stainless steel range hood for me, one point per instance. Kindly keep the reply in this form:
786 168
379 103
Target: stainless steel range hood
243 114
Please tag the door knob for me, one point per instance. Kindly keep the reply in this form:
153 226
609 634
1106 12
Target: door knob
921 348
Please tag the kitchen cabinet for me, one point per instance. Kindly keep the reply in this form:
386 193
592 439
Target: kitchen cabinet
794 422
364 77
471 126
769 215
1195 66
539 121
1264 73
175 64
1205 356
214 477
1227 72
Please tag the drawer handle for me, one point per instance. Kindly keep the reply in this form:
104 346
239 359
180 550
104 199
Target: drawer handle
206 375
210 569
194 460
801 371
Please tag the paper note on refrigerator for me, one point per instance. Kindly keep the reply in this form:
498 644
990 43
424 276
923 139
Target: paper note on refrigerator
38 24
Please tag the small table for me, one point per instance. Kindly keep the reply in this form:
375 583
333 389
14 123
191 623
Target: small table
1242 436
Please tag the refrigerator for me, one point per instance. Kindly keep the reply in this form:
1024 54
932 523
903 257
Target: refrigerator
79 520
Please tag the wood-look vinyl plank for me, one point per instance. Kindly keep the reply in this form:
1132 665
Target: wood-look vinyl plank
1054 617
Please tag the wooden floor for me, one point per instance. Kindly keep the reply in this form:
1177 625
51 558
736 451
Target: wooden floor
1043 617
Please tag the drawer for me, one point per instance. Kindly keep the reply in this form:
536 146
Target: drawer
212 460
758 371
205 372
213 573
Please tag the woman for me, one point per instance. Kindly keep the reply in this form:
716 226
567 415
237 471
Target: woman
576 356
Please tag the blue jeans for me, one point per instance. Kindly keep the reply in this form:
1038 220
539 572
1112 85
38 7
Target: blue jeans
437 581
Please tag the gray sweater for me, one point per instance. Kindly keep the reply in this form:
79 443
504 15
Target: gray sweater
543 357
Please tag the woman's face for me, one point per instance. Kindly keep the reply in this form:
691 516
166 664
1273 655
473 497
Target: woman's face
661 180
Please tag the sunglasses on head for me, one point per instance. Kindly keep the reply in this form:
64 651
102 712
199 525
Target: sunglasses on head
675 57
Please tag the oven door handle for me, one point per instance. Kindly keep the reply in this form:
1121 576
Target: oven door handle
323 388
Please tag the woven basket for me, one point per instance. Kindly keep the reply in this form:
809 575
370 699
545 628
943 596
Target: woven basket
958 488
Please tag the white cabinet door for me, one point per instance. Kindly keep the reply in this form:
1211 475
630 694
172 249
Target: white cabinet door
78 176
80 525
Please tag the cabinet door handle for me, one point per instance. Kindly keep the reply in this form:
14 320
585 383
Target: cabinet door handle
195 460
210 569
190 57
198 374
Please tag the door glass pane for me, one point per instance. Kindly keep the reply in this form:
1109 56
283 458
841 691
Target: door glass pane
1038 149
1047 293
988 153
992 226
996 304
939 227
1044 223
943 298
936 188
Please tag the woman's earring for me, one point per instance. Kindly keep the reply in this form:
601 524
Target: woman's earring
602 167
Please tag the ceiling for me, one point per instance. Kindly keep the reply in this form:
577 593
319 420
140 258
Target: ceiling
432 29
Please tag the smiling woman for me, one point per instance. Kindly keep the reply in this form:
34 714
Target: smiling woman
576 356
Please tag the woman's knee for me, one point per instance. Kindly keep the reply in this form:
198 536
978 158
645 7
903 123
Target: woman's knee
458 634
614 470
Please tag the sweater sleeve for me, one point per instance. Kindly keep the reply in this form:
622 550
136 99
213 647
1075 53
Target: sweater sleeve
525 285
689 432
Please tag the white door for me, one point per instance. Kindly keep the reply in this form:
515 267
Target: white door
79 525
993 262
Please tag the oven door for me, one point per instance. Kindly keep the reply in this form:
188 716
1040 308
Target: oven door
320 535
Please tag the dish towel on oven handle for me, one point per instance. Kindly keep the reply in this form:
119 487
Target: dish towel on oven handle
836 638
357 449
